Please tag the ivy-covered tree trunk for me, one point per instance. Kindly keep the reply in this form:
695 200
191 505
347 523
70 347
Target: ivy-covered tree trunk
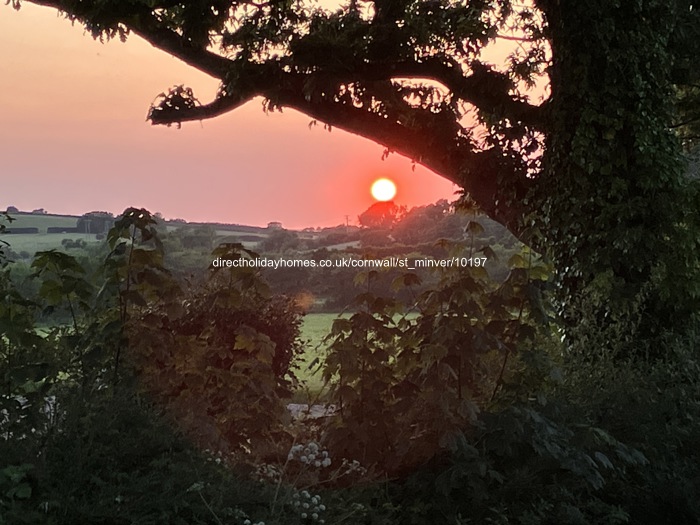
613 194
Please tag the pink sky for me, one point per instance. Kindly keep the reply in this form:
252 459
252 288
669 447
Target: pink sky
73 138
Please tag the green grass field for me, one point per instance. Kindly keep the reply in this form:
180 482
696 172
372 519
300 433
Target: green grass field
35 242
41 221
314 329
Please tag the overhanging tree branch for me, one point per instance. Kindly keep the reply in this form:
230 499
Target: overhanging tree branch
430 134
484 88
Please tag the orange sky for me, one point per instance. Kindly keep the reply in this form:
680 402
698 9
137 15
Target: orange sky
73 138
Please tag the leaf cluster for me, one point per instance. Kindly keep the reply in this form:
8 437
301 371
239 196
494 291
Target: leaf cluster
405 386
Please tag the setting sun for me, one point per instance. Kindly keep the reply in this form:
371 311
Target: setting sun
383 190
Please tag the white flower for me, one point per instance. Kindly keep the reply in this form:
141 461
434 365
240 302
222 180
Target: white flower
303 515
326 462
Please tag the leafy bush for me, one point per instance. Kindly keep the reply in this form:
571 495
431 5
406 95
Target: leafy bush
79 442
652 405
405 387
221 358
69 244
519 466
470 411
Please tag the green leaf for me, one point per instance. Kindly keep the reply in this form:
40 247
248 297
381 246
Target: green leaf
21 491
517 261
540 273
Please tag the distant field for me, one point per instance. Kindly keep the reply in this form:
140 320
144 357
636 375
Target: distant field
248 241
242 234
344 245
34 242
42 221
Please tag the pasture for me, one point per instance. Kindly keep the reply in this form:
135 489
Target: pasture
35 242
42 221
314 329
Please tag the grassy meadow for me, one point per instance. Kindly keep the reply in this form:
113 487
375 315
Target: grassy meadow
36 242
42 221
315 327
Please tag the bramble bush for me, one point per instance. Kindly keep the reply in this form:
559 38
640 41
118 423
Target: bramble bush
84 435
406 387
222 362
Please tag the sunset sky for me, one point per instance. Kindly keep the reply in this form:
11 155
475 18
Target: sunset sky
73 138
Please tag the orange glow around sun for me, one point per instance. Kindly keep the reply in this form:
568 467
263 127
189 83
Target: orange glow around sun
383 190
